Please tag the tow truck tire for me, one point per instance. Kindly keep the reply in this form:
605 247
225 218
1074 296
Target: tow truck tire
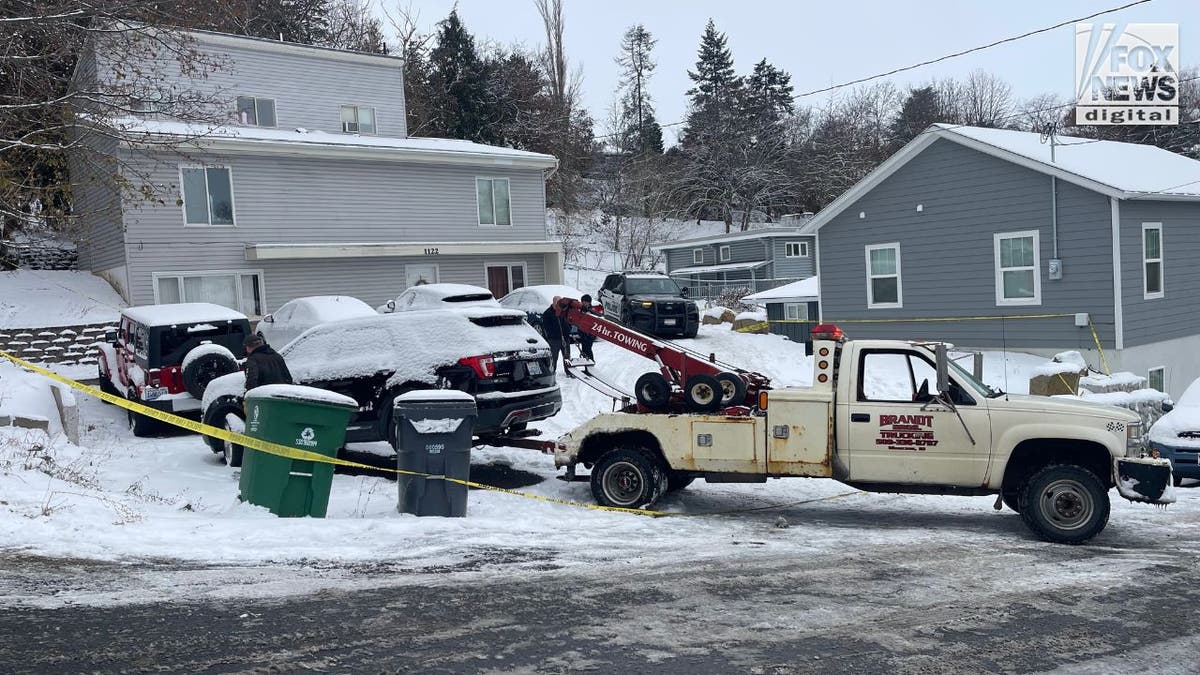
678 480
1012 500
733 389
652 391
628 478
703 393
1064 504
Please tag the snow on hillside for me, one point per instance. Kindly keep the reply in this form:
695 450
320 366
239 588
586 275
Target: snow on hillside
44 299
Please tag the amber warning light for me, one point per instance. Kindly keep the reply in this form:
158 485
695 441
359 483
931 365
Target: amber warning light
827 331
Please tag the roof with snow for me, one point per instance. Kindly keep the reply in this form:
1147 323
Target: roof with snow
311 141
736 236
805 290
182 313
1112 168
716 269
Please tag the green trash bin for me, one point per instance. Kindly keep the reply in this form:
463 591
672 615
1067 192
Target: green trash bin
304 418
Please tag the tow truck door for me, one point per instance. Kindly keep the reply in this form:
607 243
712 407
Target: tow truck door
893 434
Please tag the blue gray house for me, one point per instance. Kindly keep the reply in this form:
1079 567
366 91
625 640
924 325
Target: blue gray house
992 238
308 185
755 259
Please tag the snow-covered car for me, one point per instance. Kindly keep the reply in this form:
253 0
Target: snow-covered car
1176 435
534 300
488 352
293 318
164 356
439 296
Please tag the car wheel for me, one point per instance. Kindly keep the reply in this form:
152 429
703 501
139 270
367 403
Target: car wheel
106 385
1177 481
652 391
692 331
215 416
1064 504
232 452
703 393
628 478
198 372
140 425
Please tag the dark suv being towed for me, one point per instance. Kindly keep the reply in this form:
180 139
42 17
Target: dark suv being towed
650 303
488 352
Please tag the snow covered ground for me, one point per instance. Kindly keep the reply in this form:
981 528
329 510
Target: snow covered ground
124 499
43 299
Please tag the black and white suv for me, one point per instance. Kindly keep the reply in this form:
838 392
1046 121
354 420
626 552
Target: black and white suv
650 303
488 352
164 356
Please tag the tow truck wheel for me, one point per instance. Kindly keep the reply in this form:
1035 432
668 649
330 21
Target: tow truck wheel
1012 500
628 478
703 393
1065 504
733 389
677 480
652 391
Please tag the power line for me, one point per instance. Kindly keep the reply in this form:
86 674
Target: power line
932 61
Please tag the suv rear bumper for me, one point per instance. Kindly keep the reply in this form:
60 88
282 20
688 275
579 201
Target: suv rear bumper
499 413
173 405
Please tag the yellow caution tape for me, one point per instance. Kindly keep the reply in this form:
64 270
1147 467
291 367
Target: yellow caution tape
1103 359
761 325
925 319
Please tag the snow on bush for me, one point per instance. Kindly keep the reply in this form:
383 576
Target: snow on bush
751 316
1062 363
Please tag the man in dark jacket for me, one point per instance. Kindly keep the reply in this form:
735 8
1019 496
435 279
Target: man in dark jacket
585 339
263 364
556 332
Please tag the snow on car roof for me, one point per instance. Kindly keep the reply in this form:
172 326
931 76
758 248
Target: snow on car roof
334 307
181 313
449 290
646 275
551 291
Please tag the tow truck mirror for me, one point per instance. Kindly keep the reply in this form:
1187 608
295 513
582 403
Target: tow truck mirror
943 369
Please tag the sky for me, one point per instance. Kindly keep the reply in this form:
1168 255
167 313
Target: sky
818 43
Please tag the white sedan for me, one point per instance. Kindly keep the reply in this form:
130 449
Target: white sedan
533 300
439 296
293 318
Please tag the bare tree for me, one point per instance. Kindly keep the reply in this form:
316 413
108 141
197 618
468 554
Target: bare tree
986 100
352 25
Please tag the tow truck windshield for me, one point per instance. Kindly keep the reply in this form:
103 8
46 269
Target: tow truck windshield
981 388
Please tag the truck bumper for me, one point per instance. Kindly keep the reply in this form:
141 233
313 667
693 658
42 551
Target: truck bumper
1145 479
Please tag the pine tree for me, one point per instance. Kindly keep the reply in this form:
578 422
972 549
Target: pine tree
461 102
767 101
921 108
638 126
717 88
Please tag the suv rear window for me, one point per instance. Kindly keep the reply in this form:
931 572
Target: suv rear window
470 297
177 336
502 320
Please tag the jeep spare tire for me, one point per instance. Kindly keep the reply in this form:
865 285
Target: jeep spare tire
205 364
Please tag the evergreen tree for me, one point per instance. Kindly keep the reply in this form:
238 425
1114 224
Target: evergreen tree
921 108
458 77
717 88
304 21
639 130
767 101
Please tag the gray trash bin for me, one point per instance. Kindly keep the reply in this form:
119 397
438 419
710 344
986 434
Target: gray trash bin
434 430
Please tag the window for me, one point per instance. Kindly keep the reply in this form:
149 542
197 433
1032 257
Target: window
1152 261
1157 378
883 277
796 249
726 254
357 119
256 112
236 290
1018 280
207 195
795 311
697 256
495 206
895 377
504 279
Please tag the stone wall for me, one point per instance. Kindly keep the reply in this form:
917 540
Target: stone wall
68 345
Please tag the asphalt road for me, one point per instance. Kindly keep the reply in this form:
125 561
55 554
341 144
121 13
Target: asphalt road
1088 609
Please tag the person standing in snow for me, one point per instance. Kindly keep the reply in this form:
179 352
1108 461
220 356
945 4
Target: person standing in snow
586 340
557 332
263 364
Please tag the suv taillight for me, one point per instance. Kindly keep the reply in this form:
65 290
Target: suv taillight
484 366
154 377
172 379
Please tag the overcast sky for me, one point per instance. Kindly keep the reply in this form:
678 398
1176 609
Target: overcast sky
819 43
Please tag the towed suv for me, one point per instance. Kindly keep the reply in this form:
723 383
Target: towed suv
650 303
488 352
164 356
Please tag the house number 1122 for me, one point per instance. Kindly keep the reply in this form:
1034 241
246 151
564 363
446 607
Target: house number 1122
431 251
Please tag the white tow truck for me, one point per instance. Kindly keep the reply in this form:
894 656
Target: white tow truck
880 416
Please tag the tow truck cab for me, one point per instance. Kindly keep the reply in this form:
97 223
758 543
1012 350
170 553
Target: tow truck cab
896 416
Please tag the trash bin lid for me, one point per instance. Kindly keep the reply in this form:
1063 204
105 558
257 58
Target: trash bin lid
295 392
436 395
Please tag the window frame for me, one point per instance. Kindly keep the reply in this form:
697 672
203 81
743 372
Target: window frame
358 123
724 253
237 274
1150 378
1162 274
257 115
698 256
788 306
998 272
509 265
493 180
801 249
871 304
207 195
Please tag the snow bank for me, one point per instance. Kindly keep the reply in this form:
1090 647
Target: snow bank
715 312
1116 380
1061 364
751 316
1124 399
27 395
43 299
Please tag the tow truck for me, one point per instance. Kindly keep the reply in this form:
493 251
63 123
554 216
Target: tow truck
887 416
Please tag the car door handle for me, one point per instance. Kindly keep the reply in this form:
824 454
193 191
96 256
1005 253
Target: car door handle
860 417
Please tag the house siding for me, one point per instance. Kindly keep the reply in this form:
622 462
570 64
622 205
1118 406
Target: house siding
309 87
768 249
96 205
947 253
794 268
1176 314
